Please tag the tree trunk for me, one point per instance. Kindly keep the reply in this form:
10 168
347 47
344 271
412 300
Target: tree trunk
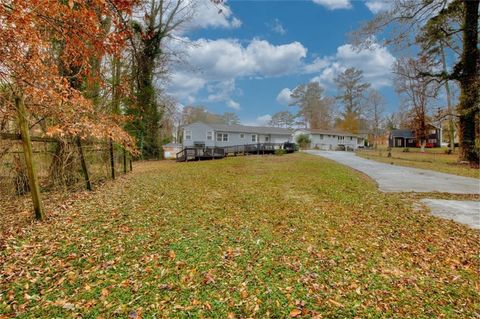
112 159
88 185
422 145
124 161
468 106
451 125
28 153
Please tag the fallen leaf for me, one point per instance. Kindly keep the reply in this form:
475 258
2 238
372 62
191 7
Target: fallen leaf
172 255
295 313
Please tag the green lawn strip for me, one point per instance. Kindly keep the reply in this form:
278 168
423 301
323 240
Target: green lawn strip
445 163
257 236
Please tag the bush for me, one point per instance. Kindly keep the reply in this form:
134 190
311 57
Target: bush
406 150
303 141
280 152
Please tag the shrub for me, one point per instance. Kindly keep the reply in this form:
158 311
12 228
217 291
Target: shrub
406 150
303 141
280 152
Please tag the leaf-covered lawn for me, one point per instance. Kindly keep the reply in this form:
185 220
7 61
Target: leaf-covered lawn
245 237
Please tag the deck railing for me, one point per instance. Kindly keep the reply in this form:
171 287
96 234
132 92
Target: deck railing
195 153
199 153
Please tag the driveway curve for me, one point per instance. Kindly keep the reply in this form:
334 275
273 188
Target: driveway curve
392 178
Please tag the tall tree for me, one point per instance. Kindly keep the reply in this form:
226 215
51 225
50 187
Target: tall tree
283 119
315 107
435 24
418 92
352 94
230 118
192 114
160 19
375 107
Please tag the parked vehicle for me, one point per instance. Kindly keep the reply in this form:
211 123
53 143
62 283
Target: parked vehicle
290 147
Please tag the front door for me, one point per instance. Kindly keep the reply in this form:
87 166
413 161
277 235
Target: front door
399 142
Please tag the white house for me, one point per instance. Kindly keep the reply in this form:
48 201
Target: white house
222 135
331 140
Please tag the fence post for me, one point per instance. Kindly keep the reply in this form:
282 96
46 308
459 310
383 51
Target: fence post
124 161
130 160
83 163
112 161
28 153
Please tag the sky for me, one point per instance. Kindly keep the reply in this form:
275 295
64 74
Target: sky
247 58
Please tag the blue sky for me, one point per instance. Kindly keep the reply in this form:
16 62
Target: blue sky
248 58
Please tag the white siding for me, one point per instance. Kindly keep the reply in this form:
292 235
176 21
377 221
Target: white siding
199 135
330 141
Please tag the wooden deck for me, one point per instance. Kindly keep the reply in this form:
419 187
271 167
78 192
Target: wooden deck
207 153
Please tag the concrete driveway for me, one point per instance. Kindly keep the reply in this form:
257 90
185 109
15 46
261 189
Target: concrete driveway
392 178
465 212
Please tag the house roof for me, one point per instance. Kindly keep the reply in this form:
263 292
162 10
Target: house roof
329 132
404 132
249 129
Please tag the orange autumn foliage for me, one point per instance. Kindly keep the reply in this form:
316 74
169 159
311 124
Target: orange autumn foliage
47 46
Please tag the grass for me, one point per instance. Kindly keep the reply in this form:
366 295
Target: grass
246 237
432 159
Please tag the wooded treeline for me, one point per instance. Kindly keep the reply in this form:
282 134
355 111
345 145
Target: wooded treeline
85 72
441 31
357 107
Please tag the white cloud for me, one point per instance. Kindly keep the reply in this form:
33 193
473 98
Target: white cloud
186 86
233 105
276 26
376 64
215 64
259 121
334 4
317 65
376 6
284 97
207 14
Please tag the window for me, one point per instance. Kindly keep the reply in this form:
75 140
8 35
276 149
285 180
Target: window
254 137
188 135
341 138
351 138
242 135
209 135
222 137
321 136
267 138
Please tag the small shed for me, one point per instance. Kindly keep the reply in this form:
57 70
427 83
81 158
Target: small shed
170 150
